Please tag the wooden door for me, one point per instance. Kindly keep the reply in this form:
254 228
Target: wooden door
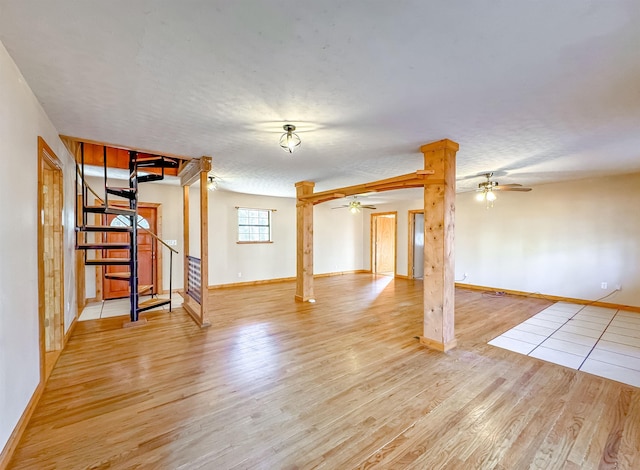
384 243
147 259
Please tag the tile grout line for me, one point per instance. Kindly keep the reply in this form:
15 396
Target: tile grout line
598 340
557 329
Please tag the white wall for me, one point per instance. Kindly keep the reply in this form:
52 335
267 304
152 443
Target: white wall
560 239
337 240
22 120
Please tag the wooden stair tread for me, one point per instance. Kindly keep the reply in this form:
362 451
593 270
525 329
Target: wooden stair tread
102 246
152 303
124 192
144 288
103 228
157 162
100 209
107 261
118 276
149 302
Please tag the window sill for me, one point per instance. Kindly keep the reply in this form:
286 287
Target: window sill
253 243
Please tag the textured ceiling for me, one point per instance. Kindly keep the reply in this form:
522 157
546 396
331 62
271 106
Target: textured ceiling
538 91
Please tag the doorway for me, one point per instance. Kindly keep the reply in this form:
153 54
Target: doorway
383 243
416 244
149 256
50 257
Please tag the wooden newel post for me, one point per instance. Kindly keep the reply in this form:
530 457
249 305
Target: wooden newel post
304 242
439 261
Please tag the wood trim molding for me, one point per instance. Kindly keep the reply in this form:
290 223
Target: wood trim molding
411 214
283 279
69 332
416 179
18 431
48 159
553 298
442 347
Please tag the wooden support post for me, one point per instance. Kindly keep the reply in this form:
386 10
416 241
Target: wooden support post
304 242
439 265
204 247
185 236
197 170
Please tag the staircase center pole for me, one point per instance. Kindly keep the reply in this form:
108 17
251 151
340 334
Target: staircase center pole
133 261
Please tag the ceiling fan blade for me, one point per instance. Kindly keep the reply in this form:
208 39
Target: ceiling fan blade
510 185
369 207
339 207
511 188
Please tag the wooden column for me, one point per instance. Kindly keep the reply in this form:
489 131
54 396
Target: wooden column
439 262
194 171
304 242
185 236
204 244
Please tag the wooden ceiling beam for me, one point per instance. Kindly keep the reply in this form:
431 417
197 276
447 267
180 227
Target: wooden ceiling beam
190 173
411 180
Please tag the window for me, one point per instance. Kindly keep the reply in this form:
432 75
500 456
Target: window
254 225
124 221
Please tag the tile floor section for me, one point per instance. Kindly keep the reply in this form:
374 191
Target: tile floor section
119 307
600 341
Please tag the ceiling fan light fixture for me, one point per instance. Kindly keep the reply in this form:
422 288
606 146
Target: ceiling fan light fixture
491 196
354 207
289 141
480 196
212 184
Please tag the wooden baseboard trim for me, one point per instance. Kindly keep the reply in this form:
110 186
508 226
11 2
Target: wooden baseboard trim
437 345
553 298
401 276
69 332
282 279
340 273
16 435
251 283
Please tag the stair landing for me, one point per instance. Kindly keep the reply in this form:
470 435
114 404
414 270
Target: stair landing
120 307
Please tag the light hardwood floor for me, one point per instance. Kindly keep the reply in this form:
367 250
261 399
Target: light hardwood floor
339 384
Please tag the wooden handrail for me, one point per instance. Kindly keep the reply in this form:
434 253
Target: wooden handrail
157 238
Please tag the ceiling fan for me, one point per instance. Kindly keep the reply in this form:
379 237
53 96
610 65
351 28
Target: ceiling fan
355 206
486 189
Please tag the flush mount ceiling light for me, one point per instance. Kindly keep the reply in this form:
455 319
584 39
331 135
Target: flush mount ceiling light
212 185
289 141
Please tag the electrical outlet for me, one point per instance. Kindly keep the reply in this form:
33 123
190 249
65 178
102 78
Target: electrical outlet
618 286
239 274
466 275
603 285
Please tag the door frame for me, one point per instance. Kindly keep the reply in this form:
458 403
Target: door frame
48 160
412 221
372 238
158 261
